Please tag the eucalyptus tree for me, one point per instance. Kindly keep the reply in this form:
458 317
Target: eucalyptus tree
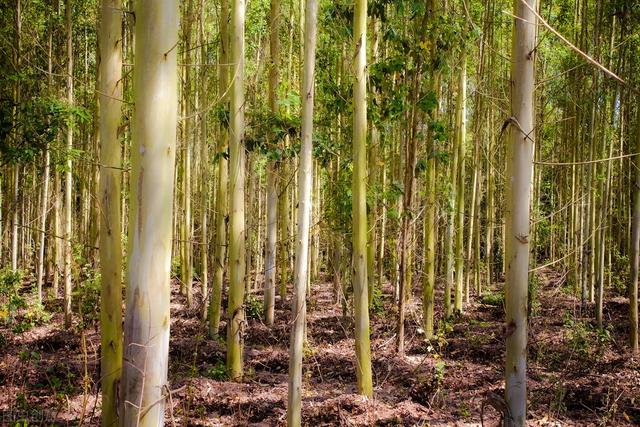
430 223
635 249
146 329
461 120
518 198
222 201
305 175
68 184
186 233
110 51
235 310
359 203
272 171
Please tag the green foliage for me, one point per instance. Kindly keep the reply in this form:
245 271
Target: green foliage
253 307
585 339
217 372
34 315
40 121
495 299
176 267
10 299
15 311
267 131
60 379
377 303
87 294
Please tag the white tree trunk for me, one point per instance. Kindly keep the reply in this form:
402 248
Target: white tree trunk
519 175
68 184
305 175
146 349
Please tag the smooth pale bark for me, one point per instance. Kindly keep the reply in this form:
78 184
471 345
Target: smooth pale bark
518 189
57 243
272 171
15 218
43 223
305 175
270 256
109 203
16 120
222 183
187 141
235 312
68 184
359 204
459 213
204 169
635 251
449 235
146 333
283 210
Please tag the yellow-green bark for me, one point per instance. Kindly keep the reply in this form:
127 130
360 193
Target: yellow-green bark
359 204
237 265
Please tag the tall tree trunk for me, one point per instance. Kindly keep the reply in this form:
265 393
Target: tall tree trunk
187 141
635 249
235 311
519 175
359 205
204 167
222 182
44 204
298 302
68 185
459 211
110 178
272 170
430 218
146 332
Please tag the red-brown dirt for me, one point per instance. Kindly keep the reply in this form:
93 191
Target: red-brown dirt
577 375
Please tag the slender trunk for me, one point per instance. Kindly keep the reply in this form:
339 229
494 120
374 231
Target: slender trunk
15 125
110 178
459 210
57 250
68 187
359 205
215 302
519 174
635 251
15 218
235 326
298 305
187 140
204 168
272 171
146 332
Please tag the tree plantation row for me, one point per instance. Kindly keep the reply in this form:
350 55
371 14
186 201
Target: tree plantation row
414 160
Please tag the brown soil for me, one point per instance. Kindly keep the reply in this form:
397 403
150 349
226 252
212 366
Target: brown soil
577 375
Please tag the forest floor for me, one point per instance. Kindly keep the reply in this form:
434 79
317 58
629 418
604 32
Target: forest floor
578 375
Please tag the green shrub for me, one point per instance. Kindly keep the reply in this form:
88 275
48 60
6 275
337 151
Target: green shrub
87 294
493 299
377 304
253 307
217 372
10 299
35 315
